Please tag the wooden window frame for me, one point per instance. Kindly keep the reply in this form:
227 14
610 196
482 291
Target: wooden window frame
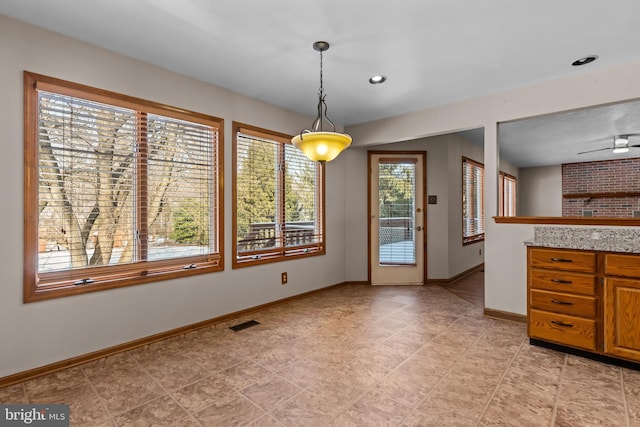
278 253
502 177
43 286
478 237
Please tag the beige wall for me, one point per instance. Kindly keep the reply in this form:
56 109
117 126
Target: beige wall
540 191
36 334
461 257
509 168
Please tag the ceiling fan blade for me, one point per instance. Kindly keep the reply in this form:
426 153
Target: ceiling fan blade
593 151
634 146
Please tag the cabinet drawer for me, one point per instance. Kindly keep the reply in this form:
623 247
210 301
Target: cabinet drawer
584 262
563 282
573 305
562 329
622 265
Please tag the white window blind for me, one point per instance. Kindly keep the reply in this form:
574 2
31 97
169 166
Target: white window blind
107 199
472 201
86 159
182 213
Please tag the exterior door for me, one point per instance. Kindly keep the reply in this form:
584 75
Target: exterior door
397 218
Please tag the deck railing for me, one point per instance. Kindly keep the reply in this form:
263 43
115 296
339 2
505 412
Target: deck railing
397 229
262 235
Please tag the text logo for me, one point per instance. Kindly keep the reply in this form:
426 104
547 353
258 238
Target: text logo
34 415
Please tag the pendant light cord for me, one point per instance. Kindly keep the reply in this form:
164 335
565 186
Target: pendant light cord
322 105
321 82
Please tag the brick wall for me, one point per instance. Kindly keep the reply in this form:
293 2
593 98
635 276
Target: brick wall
621 175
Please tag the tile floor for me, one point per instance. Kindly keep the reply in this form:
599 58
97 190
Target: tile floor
352 355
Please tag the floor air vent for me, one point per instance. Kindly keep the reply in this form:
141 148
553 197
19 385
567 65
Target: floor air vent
244 325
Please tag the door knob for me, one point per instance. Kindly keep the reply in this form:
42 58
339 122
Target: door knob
419 228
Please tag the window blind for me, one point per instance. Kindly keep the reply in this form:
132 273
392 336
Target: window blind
181 196
86 183
507 194
118 186
257 179
472 201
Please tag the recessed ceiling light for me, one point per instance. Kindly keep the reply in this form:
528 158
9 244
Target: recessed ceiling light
377 79
584 61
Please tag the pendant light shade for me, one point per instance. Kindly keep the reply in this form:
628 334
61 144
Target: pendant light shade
319 145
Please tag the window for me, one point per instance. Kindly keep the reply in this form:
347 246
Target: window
278 199
507 195
472 201
118 190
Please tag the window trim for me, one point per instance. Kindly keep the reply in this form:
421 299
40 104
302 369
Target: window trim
61 283
476 238
502 177
276 254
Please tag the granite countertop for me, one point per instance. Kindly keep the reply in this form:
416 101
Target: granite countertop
587 238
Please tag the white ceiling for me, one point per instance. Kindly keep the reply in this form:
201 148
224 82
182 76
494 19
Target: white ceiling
434 52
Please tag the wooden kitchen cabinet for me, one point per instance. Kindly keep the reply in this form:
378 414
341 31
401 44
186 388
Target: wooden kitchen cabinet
587 300
562 304
621 300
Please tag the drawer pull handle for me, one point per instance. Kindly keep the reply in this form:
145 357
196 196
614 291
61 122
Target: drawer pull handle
561 281
561 260
561 323
555 301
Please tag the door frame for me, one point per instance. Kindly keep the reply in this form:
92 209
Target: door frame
370 154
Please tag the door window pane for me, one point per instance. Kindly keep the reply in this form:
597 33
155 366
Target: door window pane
396 198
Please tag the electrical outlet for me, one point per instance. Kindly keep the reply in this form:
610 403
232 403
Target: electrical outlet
283 278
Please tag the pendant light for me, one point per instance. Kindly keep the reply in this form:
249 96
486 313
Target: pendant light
317 144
